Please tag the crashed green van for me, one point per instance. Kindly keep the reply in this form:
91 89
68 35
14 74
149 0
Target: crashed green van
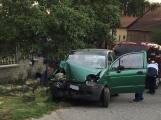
96 74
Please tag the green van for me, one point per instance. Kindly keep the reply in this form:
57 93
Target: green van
95 74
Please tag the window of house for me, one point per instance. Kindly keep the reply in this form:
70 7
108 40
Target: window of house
124 37
119 37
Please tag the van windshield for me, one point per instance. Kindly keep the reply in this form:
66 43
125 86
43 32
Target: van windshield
122 49
89 59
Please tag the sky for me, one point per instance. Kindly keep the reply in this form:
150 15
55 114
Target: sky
155 1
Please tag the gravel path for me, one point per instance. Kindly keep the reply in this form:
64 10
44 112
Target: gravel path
120 108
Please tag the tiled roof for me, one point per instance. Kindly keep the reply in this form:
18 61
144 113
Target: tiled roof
126 21
150 21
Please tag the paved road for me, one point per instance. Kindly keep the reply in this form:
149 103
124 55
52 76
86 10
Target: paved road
120 108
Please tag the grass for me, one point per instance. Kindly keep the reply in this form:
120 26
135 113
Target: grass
13 107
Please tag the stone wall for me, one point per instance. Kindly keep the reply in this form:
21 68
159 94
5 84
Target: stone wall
138 36
22 69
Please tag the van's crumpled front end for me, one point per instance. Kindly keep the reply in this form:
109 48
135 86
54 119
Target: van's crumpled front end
76 81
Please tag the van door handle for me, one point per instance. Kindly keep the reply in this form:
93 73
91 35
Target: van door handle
118 71
140 72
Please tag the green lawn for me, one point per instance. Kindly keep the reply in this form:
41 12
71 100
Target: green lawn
18 107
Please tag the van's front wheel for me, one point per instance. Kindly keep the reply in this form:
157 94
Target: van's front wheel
56 99
105 97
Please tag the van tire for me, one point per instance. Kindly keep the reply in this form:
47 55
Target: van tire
105 97
56 99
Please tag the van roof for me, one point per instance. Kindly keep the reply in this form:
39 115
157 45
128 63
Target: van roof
94 50
124 47
141 44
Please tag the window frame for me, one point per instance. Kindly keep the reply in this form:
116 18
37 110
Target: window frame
120 67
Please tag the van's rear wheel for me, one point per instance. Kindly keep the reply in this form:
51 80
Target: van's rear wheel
105 97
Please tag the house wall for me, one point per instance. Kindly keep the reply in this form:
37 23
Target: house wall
21 69
135 36
121 34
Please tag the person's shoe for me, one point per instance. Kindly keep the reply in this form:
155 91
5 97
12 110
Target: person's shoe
114 95
148 92
142 100
135 100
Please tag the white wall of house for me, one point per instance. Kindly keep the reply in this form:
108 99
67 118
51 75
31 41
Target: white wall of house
121 34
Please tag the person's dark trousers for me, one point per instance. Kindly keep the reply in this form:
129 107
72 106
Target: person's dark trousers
139 96
152 84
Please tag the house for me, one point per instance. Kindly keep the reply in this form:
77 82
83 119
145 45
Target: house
140 29
121 34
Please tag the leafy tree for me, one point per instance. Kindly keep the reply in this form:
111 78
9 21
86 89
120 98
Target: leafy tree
23 26
68 25
54 27
87 24
155 36
136 8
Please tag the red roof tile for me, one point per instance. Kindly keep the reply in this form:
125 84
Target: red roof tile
150 21
126 21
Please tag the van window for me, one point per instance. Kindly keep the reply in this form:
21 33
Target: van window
129 62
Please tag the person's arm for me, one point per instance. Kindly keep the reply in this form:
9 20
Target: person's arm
157 70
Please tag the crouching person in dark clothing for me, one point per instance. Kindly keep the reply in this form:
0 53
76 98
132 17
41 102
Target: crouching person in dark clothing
152 72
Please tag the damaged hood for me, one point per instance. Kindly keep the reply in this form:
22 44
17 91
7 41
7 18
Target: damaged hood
76 72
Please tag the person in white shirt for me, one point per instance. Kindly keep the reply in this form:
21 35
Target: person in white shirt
152 72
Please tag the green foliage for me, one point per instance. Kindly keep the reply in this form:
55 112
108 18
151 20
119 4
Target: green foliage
54 27
23 26
136 8
28 106
155 36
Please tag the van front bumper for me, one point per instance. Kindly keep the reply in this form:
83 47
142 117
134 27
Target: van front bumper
76 90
